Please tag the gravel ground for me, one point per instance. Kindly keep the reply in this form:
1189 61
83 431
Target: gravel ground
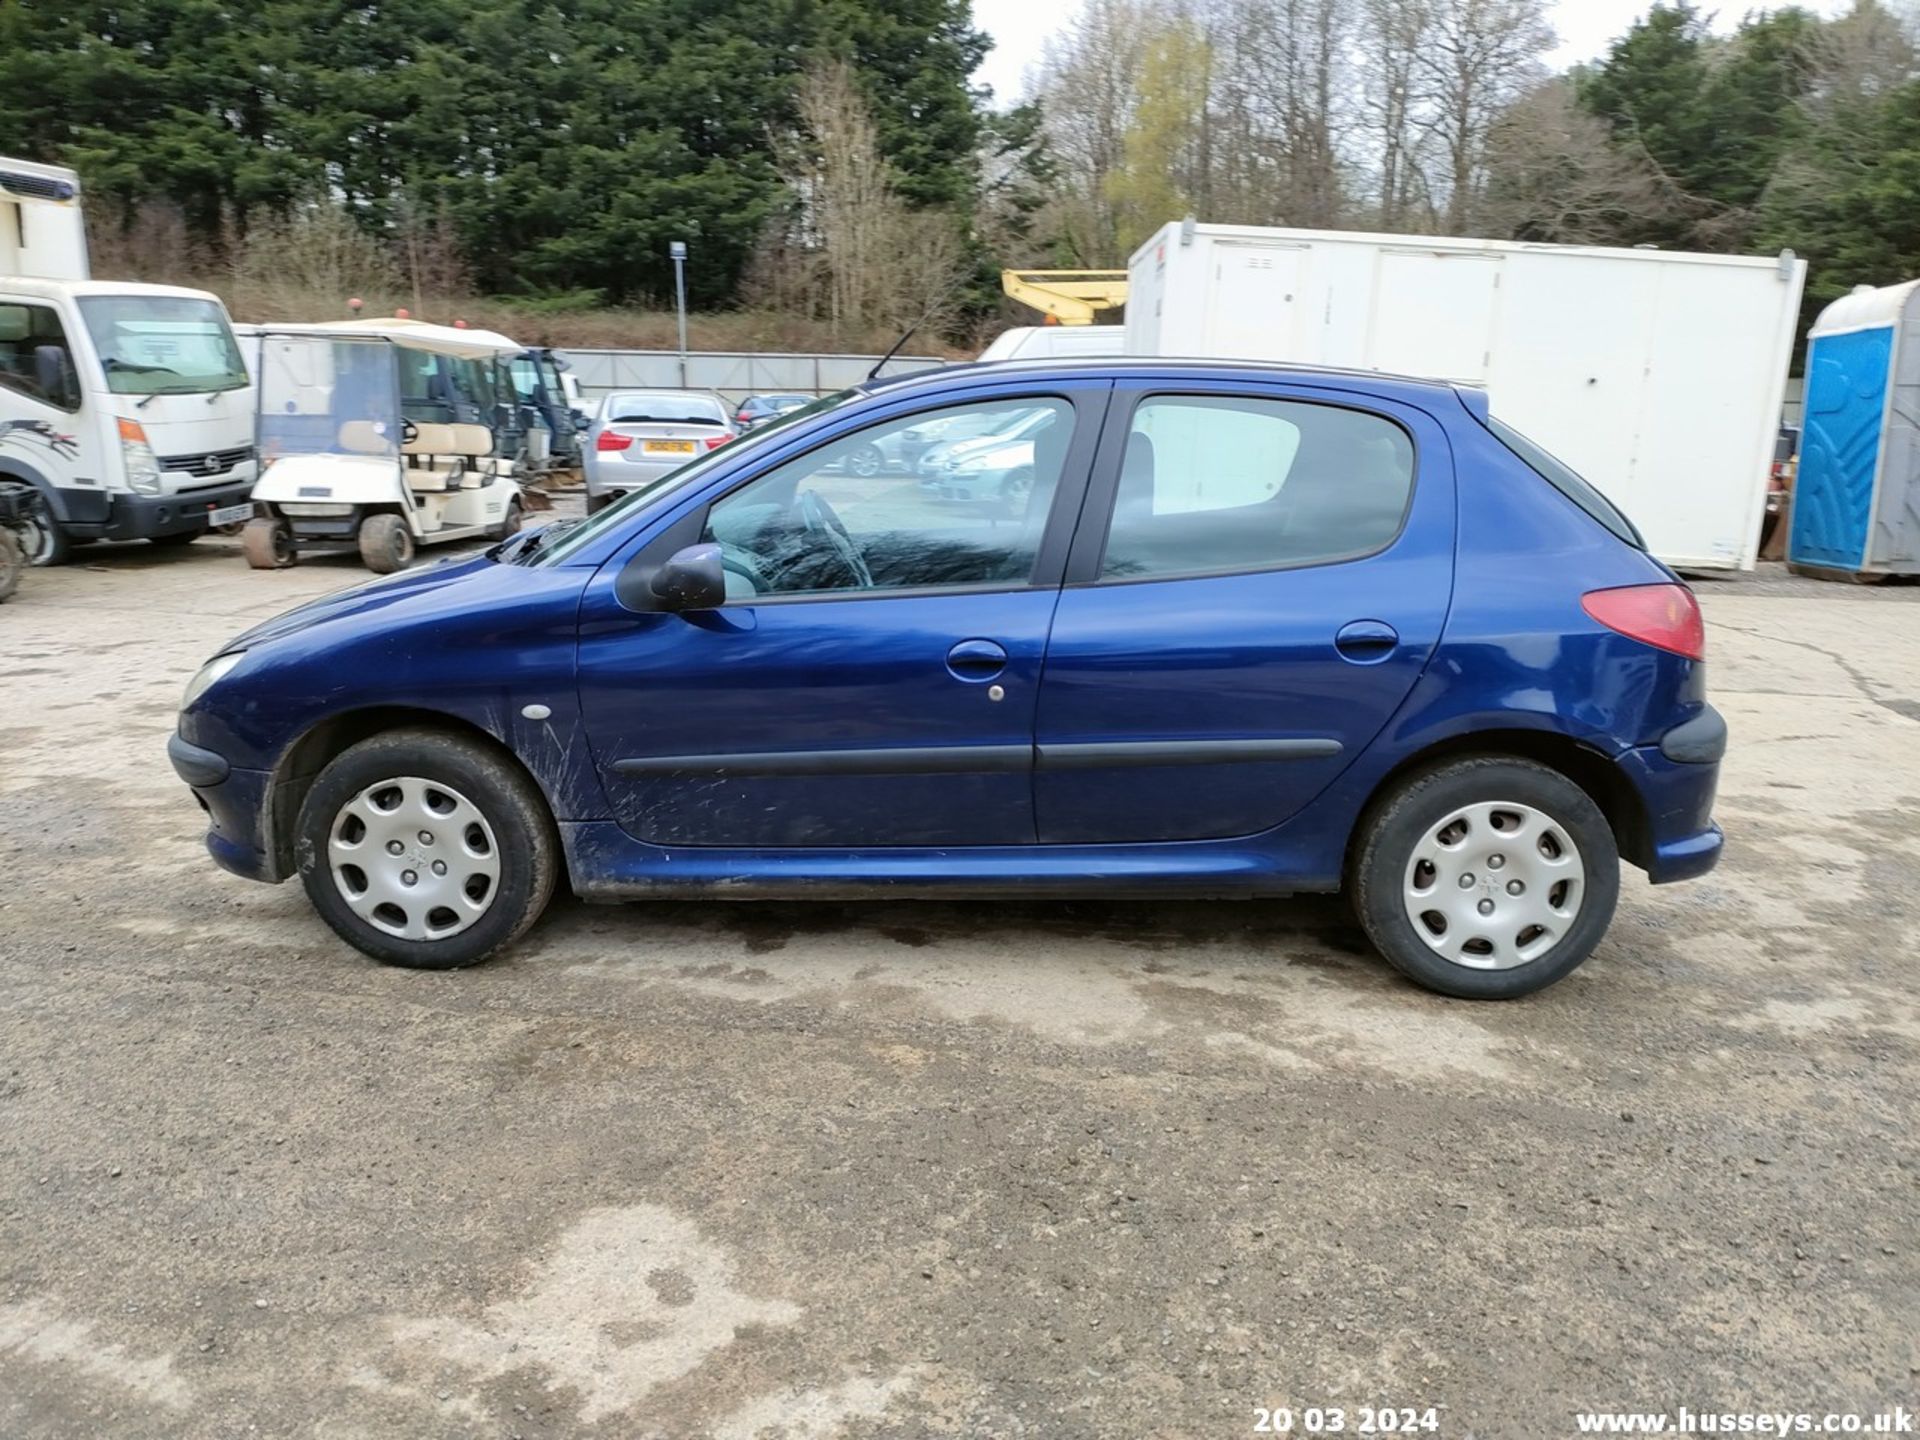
1054 1170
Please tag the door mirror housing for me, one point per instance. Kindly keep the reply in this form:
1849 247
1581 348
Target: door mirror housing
53 373
692 579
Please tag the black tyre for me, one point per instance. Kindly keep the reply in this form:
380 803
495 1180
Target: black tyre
43 541
386 544
510 520
175 542
866 461
1485 877
267 542
427 849
12 562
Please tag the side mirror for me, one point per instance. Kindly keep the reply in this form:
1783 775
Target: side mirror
53 373
692 579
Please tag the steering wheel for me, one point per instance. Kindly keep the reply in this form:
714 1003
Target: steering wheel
819 518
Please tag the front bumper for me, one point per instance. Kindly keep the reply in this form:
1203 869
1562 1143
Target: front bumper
235 802
121 516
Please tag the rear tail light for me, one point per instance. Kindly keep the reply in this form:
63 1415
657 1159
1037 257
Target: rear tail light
714 442
610 441
1666 617
744 418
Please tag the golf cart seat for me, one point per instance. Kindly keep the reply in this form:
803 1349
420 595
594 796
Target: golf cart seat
433 461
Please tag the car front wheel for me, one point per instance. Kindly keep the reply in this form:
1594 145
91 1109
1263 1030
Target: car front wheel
1486 878
427 849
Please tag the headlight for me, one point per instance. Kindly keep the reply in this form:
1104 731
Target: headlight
143 470
211 673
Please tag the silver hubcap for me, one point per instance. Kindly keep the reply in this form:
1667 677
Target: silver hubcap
1494 885
414 858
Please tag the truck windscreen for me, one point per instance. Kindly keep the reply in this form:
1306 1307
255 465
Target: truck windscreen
163 344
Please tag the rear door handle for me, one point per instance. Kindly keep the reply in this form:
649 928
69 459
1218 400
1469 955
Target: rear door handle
976 659
1366 642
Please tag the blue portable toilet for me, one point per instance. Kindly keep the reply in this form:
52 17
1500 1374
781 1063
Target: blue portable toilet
1856 503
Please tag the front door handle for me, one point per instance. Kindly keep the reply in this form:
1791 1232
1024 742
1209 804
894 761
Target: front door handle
1366 642
976 660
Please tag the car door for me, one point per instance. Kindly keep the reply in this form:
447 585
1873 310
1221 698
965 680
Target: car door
871 679
1262 575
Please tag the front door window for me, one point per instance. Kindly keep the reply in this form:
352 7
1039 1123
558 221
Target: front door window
951 498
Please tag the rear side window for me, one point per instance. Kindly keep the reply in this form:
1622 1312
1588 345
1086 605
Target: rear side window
1213 484
1568 482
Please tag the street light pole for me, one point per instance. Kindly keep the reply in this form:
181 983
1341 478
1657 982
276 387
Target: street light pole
678 250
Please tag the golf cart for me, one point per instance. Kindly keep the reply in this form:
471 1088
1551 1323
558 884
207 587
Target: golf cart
380 435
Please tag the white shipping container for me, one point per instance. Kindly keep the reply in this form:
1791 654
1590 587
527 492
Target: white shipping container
42 234
1658 375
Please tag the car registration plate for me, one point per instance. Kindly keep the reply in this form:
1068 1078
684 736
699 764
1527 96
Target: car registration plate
668 447
230 515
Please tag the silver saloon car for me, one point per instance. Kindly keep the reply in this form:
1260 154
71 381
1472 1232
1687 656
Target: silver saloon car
640 435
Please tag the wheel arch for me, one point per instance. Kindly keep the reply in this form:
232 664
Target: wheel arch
1584 765
301 763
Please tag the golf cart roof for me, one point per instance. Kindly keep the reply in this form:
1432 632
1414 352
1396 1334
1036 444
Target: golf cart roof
415 335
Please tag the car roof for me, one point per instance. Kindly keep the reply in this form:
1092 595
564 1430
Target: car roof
1100 367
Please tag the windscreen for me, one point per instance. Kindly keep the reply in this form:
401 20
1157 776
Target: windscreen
163 344
652 406
321 395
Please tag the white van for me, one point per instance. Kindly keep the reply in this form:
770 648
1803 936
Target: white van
1057 342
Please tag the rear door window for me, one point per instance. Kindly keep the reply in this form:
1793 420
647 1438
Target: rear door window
1212 484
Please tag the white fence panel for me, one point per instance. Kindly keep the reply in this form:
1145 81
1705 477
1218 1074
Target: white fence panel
735 374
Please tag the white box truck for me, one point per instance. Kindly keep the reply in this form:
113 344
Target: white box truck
1656 374
125 408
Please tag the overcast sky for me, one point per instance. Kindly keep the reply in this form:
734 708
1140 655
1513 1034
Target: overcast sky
1020 27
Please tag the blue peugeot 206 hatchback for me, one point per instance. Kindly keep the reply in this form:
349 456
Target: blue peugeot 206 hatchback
1207 628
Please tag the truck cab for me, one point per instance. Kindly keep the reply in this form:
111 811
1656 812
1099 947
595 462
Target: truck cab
126 408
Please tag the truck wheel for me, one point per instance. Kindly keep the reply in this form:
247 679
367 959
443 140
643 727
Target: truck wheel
43 541
386 545
426 849
12 562
267 542
1486 878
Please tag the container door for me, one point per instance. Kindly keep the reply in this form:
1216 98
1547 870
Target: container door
1433 315
1253 299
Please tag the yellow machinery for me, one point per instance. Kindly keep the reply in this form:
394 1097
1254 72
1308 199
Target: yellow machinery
1071 297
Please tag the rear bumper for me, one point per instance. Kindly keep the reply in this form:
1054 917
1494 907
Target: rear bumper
235 802
1677 794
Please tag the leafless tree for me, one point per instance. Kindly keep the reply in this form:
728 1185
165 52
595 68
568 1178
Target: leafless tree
870 258
1089 89
1478 58
1553 173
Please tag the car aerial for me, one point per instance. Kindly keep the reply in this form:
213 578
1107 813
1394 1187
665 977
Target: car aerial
639 436
1250 631
757 408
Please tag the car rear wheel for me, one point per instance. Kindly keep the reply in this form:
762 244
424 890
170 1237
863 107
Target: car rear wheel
1486 878
386 545
426 849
